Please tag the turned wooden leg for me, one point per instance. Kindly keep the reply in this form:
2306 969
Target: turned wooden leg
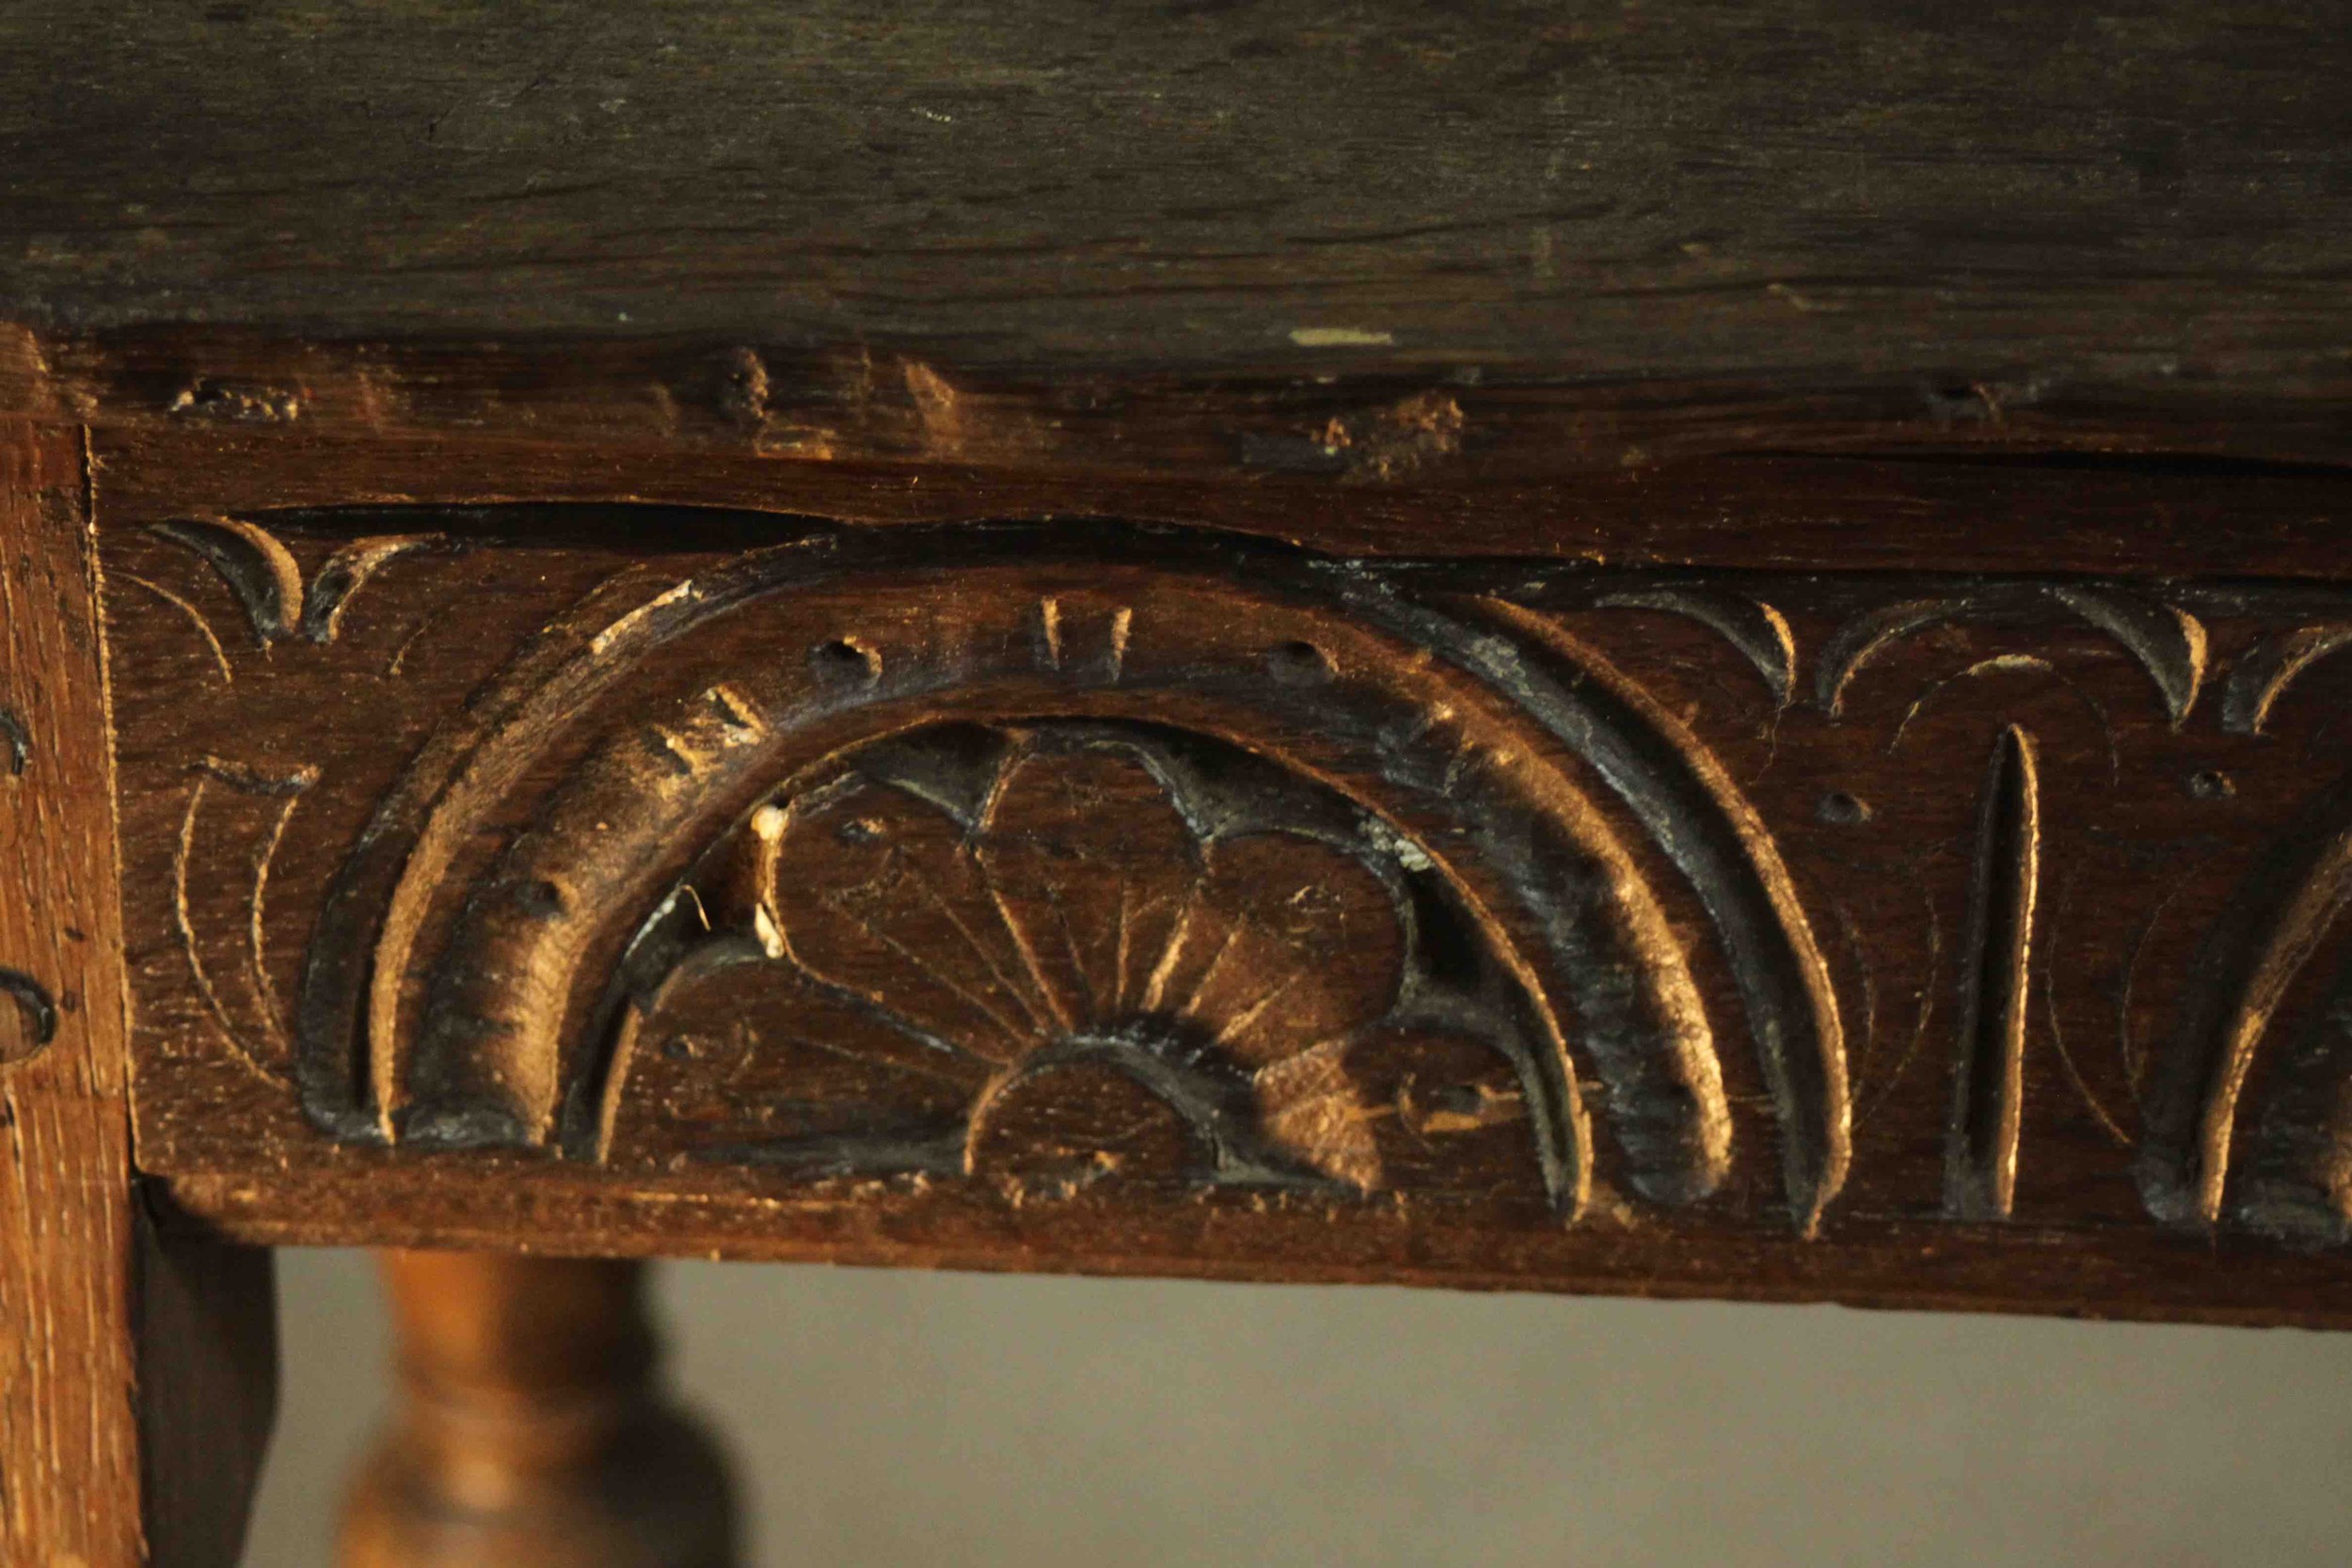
529 1432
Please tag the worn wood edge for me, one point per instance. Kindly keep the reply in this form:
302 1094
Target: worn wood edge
1891 1265
1390 424
2114 516
2153 195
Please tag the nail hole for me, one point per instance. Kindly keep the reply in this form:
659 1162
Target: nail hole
2211 784
540 898
843 662
1461 1100
1298 664
1841 810
35 1021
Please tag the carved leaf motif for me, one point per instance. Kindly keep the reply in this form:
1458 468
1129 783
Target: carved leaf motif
266 579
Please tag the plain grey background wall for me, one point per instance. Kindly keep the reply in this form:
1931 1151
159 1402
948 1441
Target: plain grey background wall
911 1421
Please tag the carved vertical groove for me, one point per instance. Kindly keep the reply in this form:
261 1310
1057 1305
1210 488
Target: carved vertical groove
1988 1080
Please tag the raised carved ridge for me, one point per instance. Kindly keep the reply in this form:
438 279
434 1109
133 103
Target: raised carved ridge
1698 817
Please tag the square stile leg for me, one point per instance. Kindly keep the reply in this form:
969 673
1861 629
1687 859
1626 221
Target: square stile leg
136 1371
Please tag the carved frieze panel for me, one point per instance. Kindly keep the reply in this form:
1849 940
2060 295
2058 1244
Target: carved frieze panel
1084 865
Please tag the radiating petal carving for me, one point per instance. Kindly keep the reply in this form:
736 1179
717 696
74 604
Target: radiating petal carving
935 917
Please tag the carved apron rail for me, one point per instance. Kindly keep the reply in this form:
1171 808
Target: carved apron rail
1003 873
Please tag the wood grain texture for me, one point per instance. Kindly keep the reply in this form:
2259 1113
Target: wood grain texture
1836 218
134 1368
1144 900
2098 515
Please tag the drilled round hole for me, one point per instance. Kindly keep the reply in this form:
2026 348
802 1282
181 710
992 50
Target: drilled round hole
1461 1100
843 662
1298 664
1841 810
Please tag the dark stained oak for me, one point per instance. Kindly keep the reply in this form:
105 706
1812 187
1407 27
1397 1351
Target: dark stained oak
1138 898
1681 649
1680 227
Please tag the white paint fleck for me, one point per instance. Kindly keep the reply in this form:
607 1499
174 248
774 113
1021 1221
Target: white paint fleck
1406 853
1122 620
2004 662
1339 337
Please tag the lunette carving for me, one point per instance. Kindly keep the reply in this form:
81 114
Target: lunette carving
474 1061
481 973
426 1023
